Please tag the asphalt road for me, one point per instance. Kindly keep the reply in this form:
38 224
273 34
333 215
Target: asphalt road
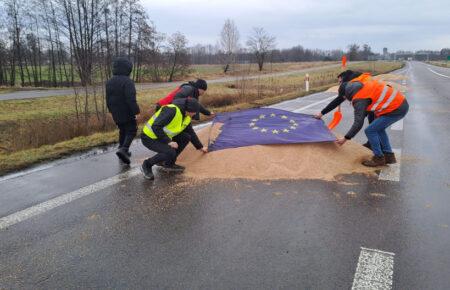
87 223
29 94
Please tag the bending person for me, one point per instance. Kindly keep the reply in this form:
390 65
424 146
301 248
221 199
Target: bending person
388 105
167 133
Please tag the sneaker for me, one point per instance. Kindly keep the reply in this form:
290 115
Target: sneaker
375 161
147 172
173 168
390 158
123 156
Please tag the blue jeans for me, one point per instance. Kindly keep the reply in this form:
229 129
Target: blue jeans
376 133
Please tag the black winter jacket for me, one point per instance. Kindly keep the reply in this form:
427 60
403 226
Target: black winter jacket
121 93
166 116
188 90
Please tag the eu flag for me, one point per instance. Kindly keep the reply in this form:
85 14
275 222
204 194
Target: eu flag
268 126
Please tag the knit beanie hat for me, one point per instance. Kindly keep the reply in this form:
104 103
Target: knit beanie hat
201 84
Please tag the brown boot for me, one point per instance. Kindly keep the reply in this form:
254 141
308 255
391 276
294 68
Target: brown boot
375 161
389 158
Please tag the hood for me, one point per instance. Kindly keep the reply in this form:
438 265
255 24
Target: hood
122 66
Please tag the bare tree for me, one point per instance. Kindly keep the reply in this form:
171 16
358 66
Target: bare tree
260 43
229 42
177 54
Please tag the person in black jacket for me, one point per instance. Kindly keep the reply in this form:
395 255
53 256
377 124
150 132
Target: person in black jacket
168 148
121 102
189 90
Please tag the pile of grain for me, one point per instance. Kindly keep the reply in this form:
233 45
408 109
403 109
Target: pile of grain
322 161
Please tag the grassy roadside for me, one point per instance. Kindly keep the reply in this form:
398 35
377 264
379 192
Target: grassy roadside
241 94
441 63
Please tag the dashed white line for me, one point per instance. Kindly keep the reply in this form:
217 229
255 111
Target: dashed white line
392 171
374 271
30 212
445 76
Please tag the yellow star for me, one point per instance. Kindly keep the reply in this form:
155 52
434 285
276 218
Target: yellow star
274 131
294 124
291 121
255 120
252 124
272 115
284 117
263 130
293 128
255 128
262 116
286 131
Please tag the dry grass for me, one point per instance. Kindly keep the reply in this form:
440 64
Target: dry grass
40 129
442 63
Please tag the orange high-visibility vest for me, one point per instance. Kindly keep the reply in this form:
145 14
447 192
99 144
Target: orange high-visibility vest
385 98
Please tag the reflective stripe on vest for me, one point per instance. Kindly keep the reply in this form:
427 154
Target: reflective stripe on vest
175 127
385 99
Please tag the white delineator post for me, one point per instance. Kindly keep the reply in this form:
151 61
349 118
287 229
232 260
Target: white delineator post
307 82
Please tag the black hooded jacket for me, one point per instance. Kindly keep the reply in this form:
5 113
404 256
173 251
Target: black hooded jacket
166 116
121 92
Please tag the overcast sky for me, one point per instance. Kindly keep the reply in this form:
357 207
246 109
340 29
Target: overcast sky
324 24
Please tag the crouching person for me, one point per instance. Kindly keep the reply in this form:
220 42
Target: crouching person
167 133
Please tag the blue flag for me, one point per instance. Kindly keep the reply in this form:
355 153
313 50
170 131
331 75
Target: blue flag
268 126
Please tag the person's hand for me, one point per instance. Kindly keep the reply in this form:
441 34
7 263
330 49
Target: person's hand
174 145
340 141
318 116
204 149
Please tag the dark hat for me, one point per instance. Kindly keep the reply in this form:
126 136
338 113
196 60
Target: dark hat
201 84
122 66
348 75
191 105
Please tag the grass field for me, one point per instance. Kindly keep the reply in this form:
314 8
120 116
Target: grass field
40 129
442 63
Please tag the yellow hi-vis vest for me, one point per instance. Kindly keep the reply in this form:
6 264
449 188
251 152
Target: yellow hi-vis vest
175 127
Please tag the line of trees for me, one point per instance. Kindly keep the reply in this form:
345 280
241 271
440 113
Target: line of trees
68 42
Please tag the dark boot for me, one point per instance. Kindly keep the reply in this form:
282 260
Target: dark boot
390 158
122 153
147 171
367 145
375 161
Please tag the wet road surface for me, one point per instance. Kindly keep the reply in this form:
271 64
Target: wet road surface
184 234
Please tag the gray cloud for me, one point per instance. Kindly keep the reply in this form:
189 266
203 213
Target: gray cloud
408 25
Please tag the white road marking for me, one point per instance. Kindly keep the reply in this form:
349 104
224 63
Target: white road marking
445 76
392 171
314 104
30 212
374 271
398 126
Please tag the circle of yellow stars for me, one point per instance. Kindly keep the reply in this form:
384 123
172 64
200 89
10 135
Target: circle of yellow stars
292 124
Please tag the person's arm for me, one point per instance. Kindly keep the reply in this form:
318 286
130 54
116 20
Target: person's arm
164 118
130 97
360 107
194 138
204 110
333 104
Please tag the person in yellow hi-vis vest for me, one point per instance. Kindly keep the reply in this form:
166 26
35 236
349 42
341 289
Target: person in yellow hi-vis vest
167 133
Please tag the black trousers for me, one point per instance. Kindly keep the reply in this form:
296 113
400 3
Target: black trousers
164 153
127 132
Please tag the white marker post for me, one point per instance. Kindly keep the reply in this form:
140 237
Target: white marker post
307 82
